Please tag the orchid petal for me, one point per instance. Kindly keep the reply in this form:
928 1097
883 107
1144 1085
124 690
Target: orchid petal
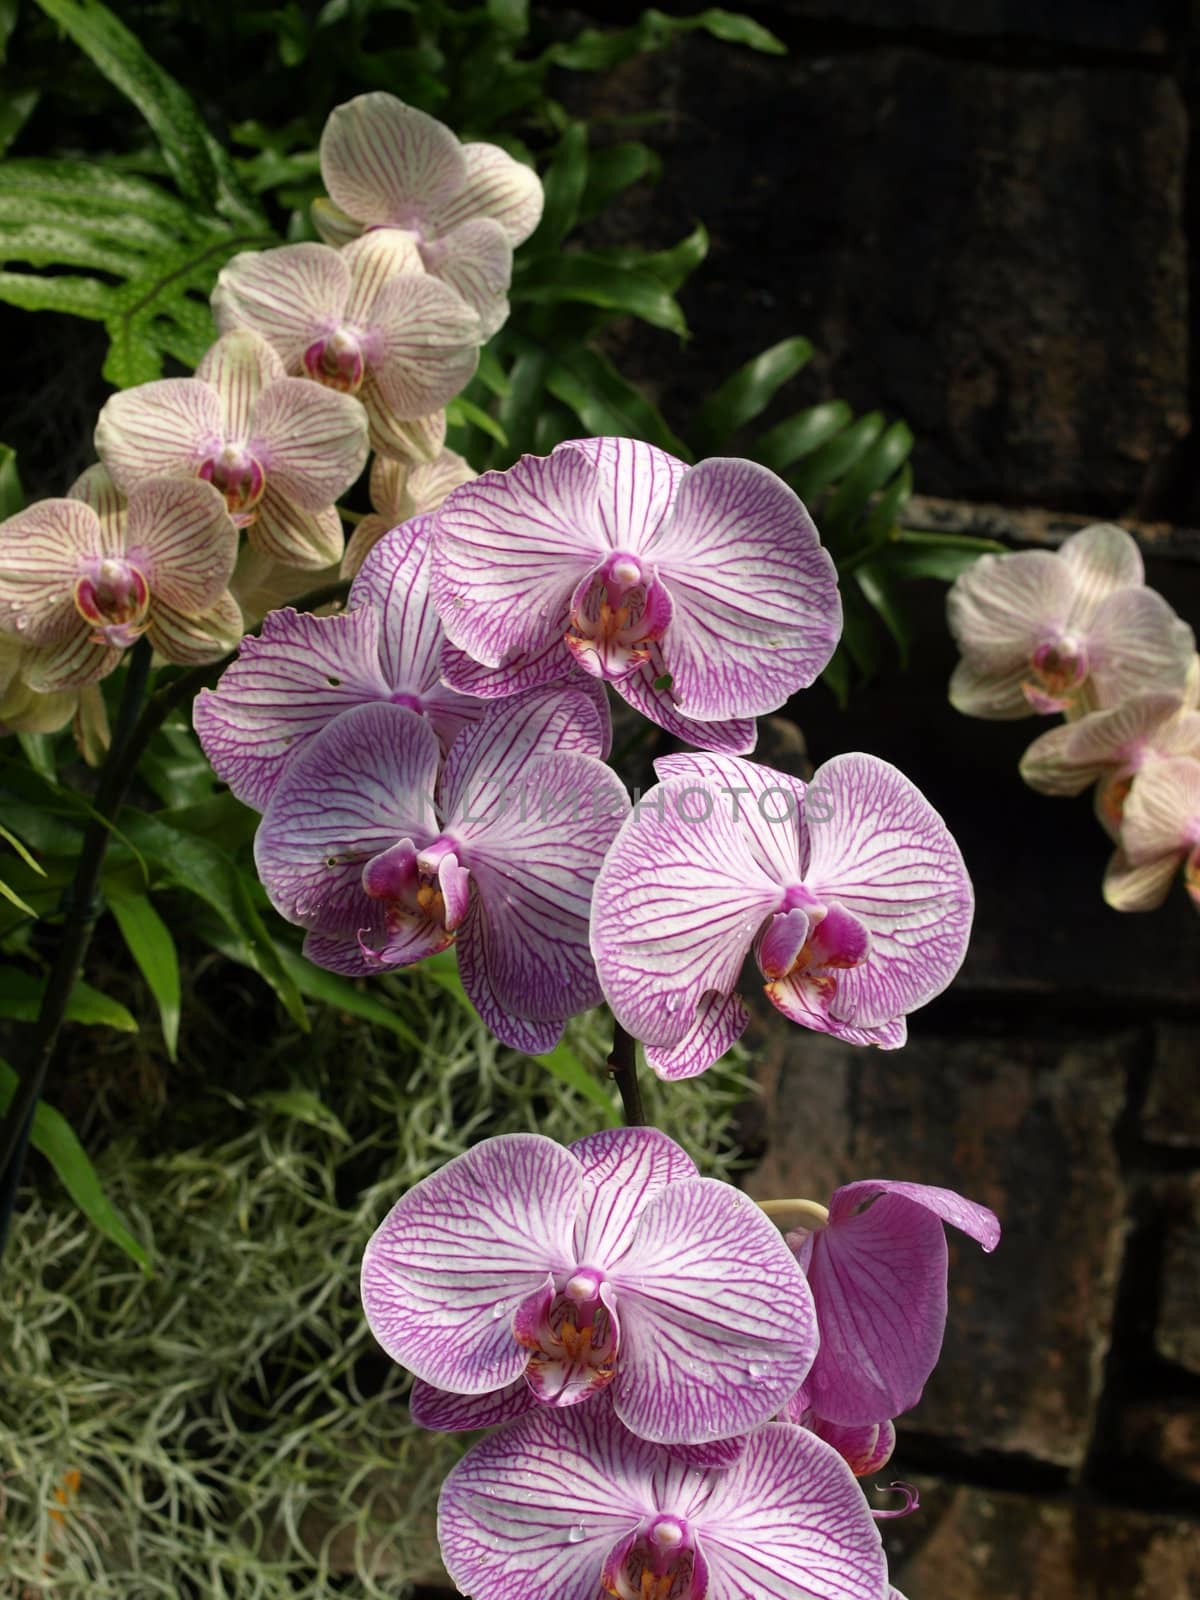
534 1511
879 849
42 550
1143 887
531 1038
718 1325
179 535
287 295
443 1412
1068 758
793 998
878 1276
307 540
864 1447
735 736
349 954
486 769
985 691
239 366
535 669
623 1169
1162 813
394 581
363 783
787 1522
496 186
757 611
636 484
166 427
69 663
95 487
510 549
1137 645
333 225
1101 560
677 904
191 638
1000 607
285 686
428 345
475 260
312 441
766 804
419 439
362 541
720 1022
386 162
451 1263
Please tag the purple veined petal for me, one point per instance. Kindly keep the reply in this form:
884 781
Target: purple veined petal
420 439
157 429
757 610
342 952
394 581
788 1522
1137 645
533 877
496 186
534 1511
361 785
239 366
981 691
95 487
767 804
308 541
792 997
533 670
879 849
285 686
361 542
475 260
380 255
864 1449
69 663
510 549
287 295
42 553
1162 813
718 1326
191 638
636 485
719 1023
312 441
531 1038
1067 759
428 340
735 736
1101 560
487 770
178 534
1143 887
443 1412
446 1270
717 1454
623 1169
386 162
1000 608
677 904
878 1276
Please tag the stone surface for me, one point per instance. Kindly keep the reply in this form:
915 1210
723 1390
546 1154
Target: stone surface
1026 1128
1171 1114
993 253
1124 25
1177 1334
1164 1434
976 1544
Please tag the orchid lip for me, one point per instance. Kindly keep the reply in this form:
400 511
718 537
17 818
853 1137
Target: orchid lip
337 361
240 478
115 598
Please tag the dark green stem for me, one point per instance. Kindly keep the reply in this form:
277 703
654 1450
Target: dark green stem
622 1063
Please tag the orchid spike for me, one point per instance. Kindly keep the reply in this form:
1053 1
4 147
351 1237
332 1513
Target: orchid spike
558 1273
1073 631
878 1274
567 1507
303 670
387 164
701 594
387 861
401 490
279 449
366 321
851 895
1160 832
82 578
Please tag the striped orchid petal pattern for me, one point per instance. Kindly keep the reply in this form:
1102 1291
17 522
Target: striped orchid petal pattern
703 594
524 1275
558 1507
851 895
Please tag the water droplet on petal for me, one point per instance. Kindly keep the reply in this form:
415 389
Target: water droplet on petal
757 1369
497 1313
577 1534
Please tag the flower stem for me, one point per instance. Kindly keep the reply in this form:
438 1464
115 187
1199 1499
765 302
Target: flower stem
622 1063
83 906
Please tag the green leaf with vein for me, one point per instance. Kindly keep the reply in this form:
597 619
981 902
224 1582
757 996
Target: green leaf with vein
53 1137
152 947
593 279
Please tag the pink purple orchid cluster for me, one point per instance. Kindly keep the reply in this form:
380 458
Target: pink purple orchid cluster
324 352
1076 631
683 1395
